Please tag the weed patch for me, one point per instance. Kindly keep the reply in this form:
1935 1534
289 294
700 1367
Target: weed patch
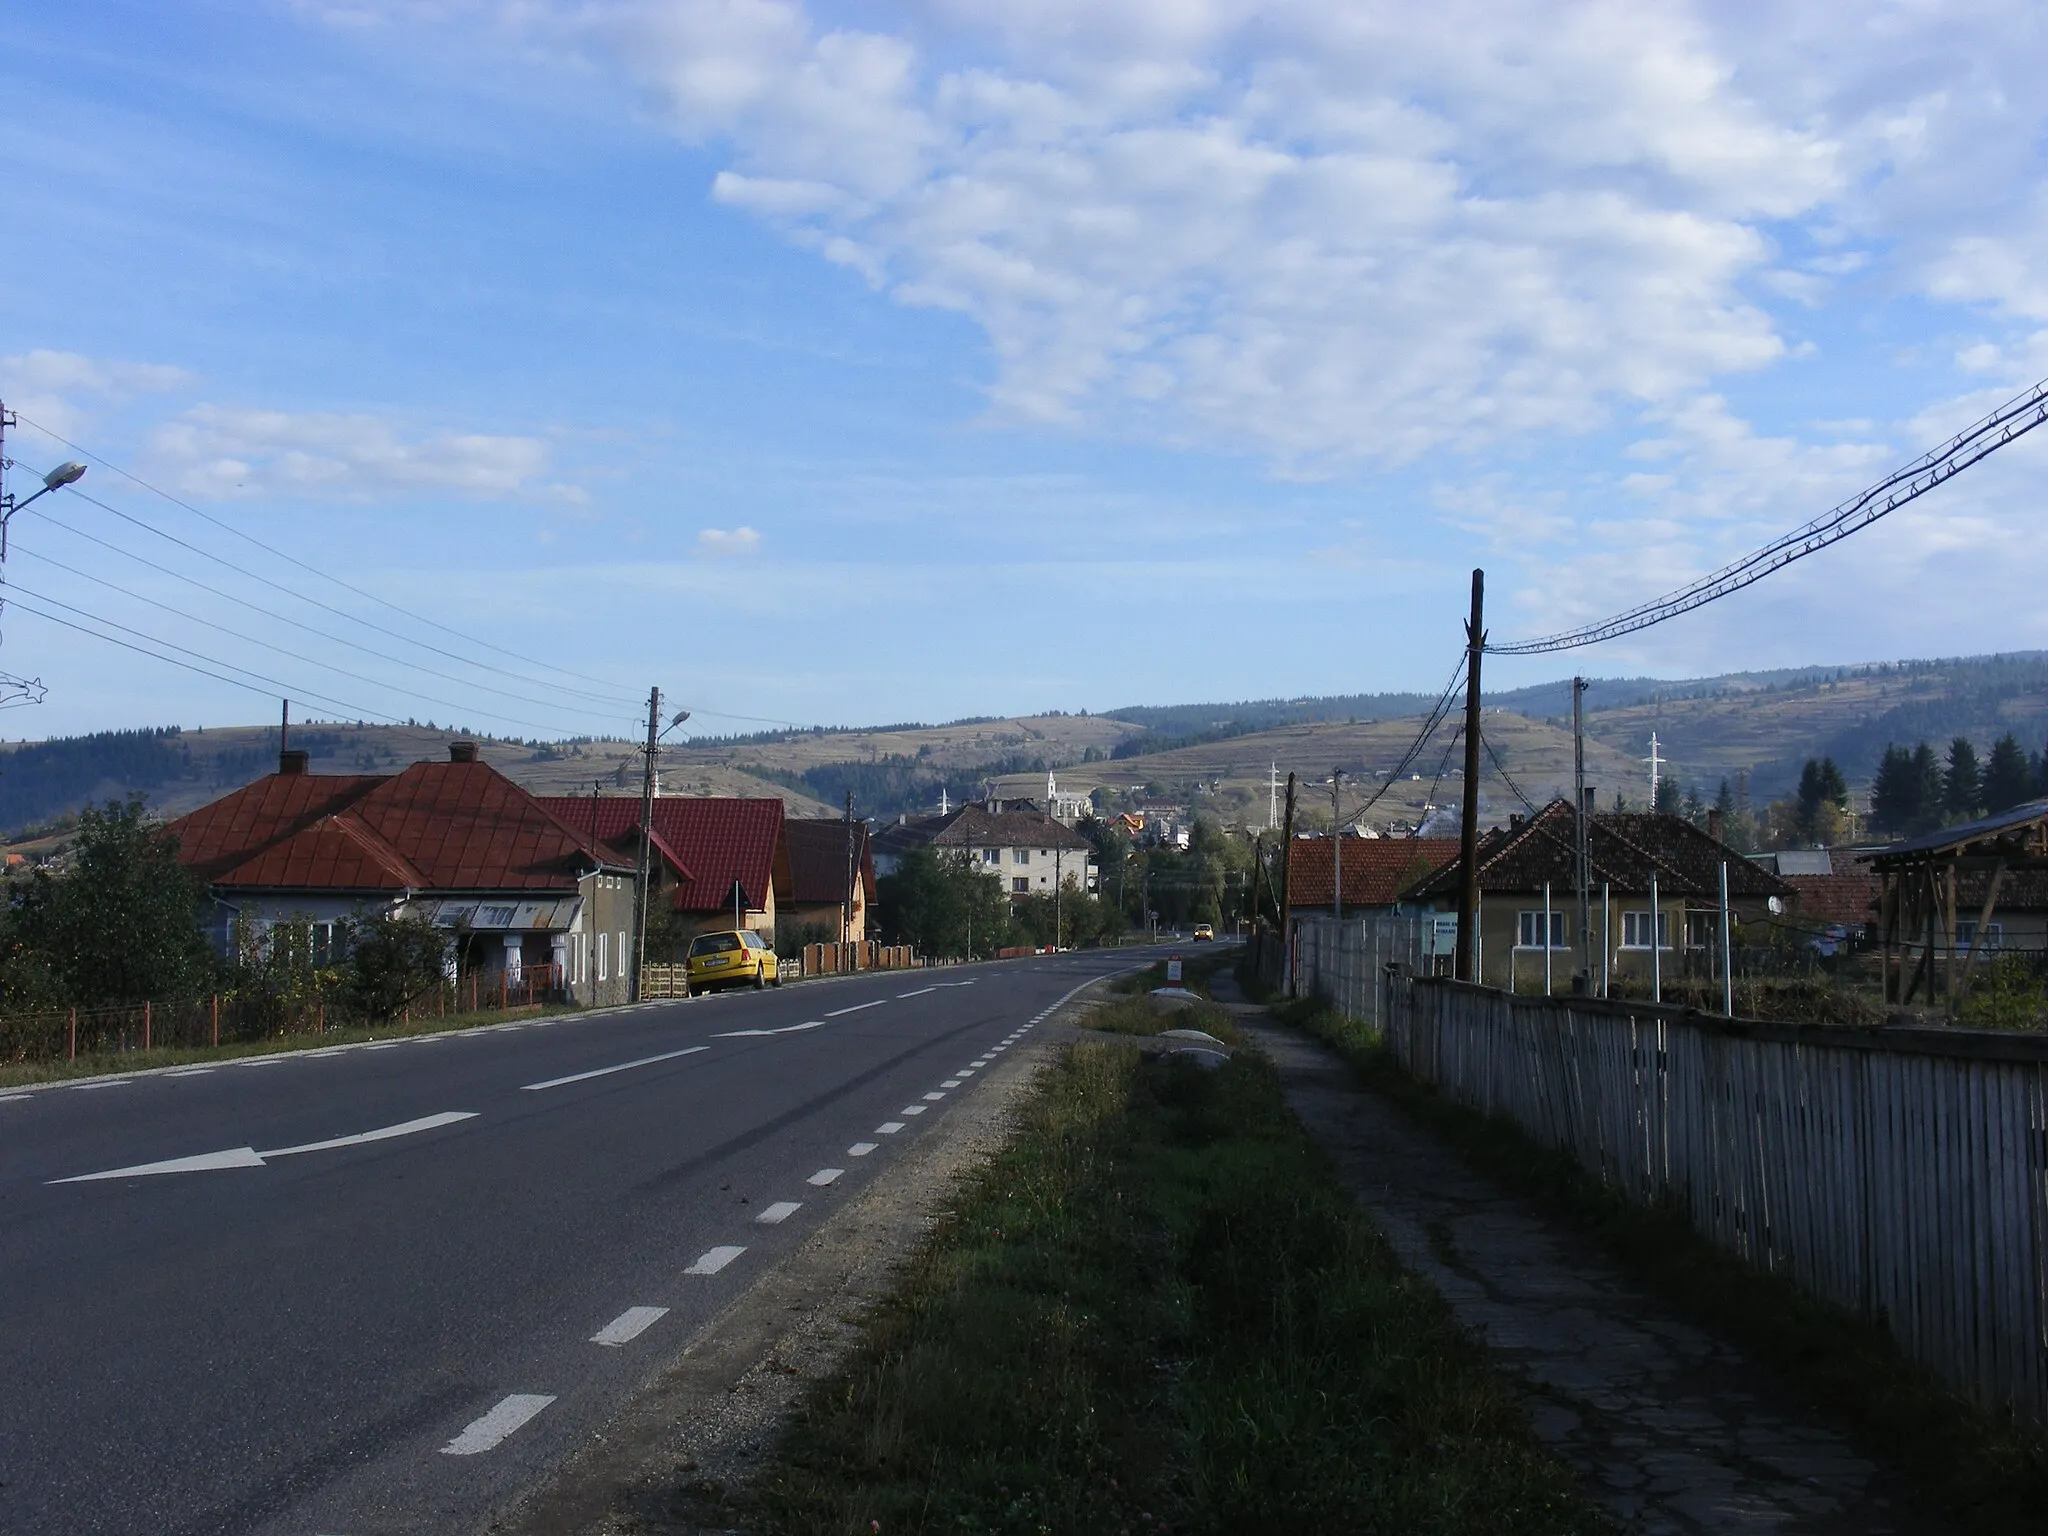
1157 1311
1141 1016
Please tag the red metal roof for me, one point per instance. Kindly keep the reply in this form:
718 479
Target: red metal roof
1377 870
709 841
435 826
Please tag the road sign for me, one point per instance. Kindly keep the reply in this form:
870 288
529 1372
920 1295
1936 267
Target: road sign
1173 971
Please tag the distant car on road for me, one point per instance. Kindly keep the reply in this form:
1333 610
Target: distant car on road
1205 933
733 958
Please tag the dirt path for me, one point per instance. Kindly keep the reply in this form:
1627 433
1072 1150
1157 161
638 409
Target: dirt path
1672 1428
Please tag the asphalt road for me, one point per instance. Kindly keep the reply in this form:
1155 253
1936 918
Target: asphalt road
299 1327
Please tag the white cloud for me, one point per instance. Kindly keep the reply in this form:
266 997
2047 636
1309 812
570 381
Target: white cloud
213 450
722 543
44 385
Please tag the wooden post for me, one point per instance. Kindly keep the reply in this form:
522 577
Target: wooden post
146 1013
1286 892
1467 966
73 1055
216 1018
320 1018
1962 987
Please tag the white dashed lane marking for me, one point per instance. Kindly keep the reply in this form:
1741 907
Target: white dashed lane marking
779 1212
9 1098
856 1008
933 1098
112 1082
189 1072
913 1109
490 1431
628 1326
951 1082
824 1176
861 1148
888 1127
712 1261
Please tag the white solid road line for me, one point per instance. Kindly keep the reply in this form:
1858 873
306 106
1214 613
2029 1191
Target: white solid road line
787 1029
861 1148
249 1157
624 1066
824 1176
889 1128
856 1008
628 1326
779 1212
490 1431
713 1260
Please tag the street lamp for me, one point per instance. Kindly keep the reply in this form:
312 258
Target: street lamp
67 473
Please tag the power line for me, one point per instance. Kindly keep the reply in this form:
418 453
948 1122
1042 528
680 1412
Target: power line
252 640
1431 723
317 571
2012 420
1501 768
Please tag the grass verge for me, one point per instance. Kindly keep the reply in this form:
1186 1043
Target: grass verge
1988 1472
22 1074
1142 1016
1156 1310
1196 969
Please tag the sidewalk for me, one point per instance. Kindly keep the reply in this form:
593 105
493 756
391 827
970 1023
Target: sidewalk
1672 1429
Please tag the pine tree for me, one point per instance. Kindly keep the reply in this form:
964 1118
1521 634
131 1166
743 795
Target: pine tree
1891 792
2008 778
1962 784
1924 786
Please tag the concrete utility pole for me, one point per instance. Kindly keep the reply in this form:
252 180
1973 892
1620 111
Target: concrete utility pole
646 841
1467 966
1287 887
1582 859
284 731
1336 846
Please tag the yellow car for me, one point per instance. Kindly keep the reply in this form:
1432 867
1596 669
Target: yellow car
1205 933
734 958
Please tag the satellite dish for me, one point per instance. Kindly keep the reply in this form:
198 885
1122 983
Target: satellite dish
1777 907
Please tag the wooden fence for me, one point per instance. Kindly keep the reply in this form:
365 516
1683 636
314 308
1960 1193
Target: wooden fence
65 1034
1899 1173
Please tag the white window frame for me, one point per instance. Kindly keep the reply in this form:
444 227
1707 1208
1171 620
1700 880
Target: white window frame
1020 856
1633 923
604 957
1966 933
1529 922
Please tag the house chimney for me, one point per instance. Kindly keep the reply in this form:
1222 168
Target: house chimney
293 760
1514 821
461 751
1714 824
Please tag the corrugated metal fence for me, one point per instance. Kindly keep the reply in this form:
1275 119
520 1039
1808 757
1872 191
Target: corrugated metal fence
1900 1173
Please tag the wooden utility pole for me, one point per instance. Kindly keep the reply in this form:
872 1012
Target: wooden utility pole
1582 858
1336 845
646 843
1287 885
846 906
1467 967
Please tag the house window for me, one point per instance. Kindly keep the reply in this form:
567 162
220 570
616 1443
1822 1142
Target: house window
1021 886
604 957
1022 856
991 855
494 917
1635 930
1966 935
1702 930
1529 929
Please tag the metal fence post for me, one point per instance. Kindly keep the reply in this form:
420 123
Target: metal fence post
216 1018
73 1056
145 1025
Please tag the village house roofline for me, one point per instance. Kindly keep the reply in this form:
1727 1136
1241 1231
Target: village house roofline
1624 847
818 859
709 840
1378 871
976 828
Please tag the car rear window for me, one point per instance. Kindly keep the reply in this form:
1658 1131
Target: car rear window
714 943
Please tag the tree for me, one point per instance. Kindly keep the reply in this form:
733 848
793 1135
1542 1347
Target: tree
391 961
1822 788
1892 807
119 925
941 903
2008 777
1666 801
1962 784
1926 782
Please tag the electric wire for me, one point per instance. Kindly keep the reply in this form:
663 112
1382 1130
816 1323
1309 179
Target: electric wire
1442 766
1501 768
2017 417
1430 725
271 689
235 634
317 571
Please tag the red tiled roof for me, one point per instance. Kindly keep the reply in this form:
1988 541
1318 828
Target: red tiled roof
434 826
818 859
709 841
1376 869
1845 898
975 827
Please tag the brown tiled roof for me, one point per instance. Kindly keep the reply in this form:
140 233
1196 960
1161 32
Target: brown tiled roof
818 859
433 827
978 828
1624 847
1844 898
708 840
1377 870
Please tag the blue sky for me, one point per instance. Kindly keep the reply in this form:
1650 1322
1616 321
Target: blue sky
856 363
